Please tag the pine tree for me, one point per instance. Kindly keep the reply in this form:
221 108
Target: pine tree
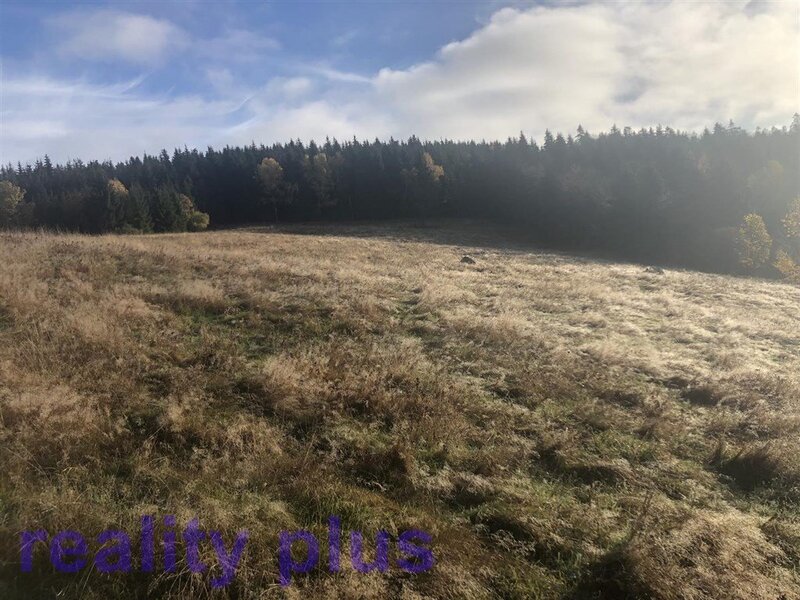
137 210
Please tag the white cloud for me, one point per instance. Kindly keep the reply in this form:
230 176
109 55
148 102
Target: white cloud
716 61
109 35
682 64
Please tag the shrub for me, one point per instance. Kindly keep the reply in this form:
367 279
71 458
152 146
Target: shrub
198 221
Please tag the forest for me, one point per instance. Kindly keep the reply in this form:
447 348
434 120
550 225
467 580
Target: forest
724 200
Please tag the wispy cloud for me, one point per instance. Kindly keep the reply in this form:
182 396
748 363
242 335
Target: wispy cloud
336 75
82 120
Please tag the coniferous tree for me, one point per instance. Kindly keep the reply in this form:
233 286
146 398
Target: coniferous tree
137 210
318 175
167 211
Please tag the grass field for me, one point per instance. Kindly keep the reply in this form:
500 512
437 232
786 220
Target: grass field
562 427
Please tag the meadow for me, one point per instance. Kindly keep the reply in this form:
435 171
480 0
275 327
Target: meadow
563 427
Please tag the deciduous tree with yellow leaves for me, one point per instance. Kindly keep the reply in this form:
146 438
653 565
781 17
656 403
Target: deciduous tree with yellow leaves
755 242
787 261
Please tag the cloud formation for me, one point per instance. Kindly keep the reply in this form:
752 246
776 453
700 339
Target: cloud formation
686 65
681 64
108 35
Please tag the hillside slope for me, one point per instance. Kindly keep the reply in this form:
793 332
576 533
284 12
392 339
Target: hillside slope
561 427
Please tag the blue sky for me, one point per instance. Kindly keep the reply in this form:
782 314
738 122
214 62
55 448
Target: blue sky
108 80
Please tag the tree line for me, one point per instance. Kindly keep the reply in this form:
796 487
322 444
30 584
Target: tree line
722 200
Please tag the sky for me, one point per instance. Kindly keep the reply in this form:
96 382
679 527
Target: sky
108 80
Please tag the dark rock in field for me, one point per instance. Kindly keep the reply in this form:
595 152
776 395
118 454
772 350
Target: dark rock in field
701 395
467 260
696 393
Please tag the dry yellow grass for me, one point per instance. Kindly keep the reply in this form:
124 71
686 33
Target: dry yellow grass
562 427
